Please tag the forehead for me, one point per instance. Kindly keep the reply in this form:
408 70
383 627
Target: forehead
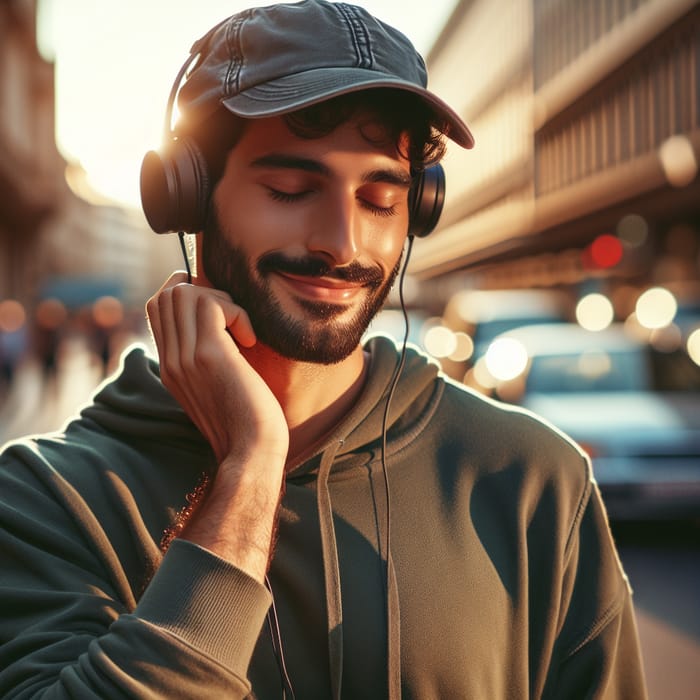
363 134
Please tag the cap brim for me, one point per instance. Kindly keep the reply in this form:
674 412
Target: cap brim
294 92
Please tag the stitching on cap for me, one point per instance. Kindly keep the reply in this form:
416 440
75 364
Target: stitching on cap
360 35
233 43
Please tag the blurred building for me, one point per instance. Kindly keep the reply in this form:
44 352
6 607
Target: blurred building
586 117
57 238
31 181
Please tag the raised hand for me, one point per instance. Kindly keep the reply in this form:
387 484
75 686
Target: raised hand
198 331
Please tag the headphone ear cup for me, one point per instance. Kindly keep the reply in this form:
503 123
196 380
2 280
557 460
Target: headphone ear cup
175 188
426 199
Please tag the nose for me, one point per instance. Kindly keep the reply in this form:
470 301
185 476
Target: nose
337 231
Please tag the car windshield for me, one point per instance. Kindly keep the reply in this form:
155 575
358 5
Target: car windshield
589 371
628 370
486 331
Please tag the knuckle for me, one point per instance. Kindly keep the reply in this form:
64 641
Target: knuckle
205 356
168 368
179 292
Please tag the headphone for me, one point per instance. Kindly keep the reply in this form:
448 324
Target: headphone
176 187
176 184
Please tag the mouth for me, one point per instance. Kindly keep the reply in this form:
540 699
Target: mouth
325 289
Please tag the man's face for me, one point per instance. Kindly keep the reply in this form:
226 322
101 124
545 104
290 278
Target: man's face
306 235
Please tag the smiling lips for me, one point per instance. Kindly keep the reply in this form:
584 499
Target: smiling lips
327 289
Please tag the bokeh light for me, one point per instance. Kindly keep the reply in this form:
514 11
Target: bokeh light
633 230
12 316
656 308
666 339
464 348
107 312
506 358
605 251
636 330
693 346
482 376
594 364
678 160
594 312
440 341
50 313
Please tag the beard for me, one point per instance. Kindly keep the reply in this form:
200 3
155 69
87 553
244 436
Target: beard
317 335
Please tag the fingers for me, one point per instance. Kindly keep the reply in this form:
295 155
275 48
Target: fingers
198 332
181 314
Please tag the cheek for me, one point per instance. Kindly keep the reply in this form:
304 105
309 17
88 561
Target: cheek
386 242
249 221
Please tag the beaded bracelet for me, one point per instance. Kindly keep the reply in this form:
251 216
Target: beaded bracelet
193 499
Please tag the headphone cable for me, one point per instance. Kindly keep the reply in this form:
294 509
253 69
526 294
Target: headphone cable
385 421
183 248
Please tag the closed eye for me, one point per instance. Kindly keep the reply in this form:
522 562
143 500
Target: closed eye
288 197
376 209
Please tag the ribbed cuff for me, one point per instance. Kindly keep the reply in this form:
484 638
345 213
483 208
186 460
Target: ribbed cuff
208 602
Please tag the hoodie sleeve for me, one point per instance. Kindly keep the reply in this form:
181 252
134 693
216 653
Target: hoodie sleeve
72 624
597 651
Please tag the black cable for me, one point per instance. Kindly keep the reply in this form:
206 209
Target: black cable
183 247
274 628
390 396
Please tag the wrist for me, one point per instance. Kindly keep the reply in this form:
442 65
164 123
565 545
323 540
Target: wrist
236 519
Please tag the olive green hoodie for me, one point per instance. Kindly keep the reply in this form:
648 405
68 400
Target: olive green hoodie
478 564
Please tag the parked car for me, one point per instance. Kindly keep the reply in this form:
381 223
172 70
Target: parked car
635 410
483 314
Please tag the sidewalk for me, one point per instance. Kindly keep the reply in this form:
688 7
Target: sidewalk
35 405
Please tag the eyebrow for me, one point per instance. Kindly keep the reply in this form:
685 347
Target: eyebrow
392 176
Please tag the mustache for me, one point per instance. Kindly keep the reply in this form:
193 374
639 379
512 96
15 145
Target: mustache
318 267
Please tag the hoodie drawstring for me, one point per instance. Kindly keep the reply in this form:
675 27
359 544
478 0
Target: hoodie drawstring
393 633
331 573
334 603
391 590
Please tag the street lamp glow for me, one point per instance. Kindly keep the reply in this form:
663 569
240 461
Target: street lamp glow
506 358
693 346
440 341
594 312
656 308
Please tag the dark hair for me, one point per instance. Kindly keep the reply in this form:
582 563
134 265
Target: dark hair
398 111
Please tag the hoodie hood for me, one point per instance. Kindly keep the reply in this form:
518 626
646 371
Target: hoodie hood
136 403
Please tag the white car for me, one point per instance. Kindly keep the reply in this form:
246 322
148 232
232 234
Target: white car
636 411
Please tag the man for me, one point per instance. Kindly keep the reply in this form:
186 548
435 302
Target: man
402 538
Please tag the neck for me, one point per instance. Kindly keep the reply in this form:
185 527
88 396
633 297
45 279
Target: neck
314 397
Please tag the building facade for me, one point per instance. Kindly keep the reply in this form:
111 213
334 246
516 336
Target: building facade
587 122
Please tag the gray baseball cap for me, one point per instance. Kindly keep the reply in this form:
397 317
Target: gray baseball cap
269 61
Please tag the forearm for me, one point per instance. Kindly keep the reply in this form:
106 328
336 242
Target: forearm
237 517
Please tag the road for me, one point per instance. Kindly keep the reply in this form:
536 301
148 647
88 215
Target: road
662 561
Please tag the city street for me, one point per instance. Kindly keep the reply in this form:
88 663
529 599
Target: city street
663 565
661 560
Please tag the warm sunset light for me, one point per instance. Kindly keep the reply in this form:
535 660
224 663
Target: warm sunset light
115 64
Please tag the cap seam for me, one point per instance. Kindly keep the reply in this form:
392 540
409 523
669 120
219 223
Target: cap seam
235 52
360 37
